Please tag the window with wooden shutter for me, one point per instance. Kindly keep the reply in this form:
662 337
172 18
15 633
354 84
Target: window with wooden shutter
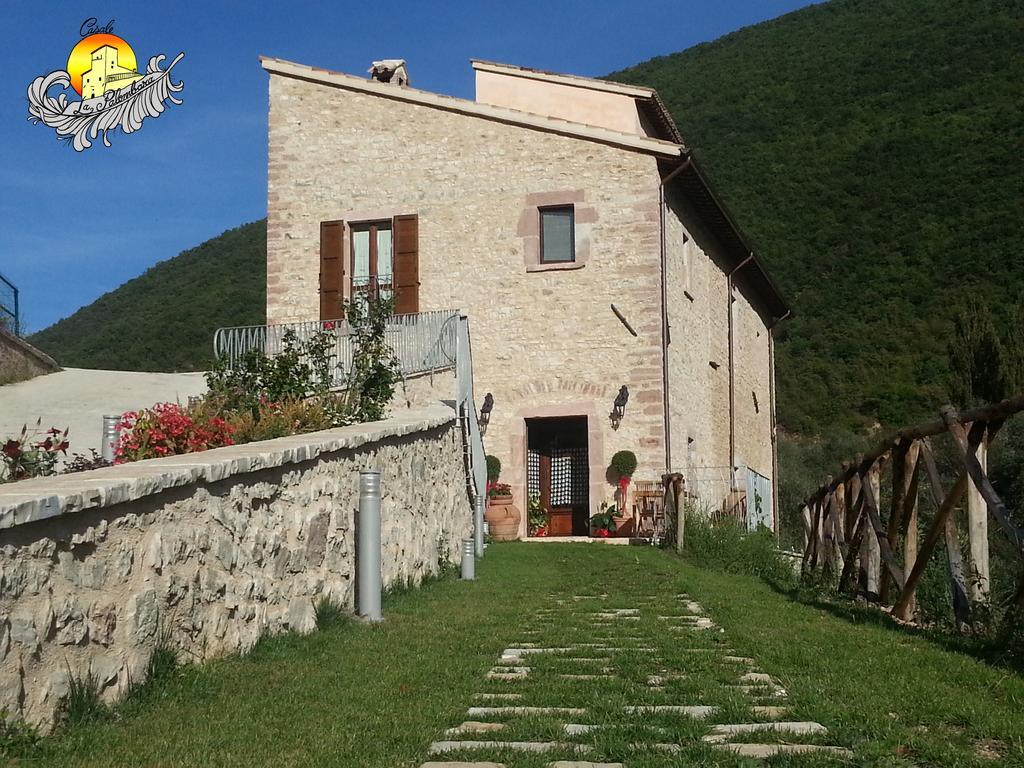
332 269
406 264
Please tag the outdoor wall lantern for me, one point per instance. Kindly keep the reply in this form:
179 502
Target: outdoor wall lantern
485 412
619 406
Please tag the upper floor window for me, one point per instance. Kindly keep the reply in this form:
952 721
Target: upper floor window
557 235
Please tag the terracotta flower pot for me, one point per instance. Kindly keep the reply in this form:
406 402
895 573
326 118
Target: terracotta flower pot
502 518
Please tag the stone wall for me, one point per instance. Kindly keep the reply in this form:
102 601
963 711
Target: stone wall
698 361
208 552
19 360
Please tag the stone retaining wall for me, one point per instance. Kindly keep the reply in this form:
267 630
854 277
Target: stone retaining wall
19 360
208 552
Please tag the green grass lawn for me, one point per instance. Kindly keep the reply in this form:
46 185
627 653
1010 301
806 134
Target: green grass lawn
378 695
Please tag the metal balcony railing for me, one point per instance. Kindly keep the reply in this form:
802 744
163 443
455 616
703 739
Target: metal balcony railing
422 342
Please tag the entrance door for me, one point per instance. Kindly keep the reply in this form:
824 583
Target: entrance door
558 472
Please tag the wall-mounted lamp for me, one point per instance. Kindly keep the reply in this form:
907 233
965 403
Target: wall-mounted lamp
619 406
485 412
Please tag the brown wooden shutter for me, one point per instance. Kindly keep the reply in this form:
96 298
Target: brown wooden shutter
332 269
407 264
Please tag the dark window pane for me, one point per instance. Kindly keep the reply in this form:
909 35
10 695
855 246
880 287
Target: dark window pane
557 235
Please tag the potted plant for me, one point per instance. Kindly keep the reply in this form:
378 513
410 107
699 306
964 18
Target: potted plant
603 525
502 515
536 518
623 465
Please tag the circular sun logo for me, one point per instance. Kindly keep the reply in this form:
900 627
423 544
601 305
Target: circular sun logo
100 63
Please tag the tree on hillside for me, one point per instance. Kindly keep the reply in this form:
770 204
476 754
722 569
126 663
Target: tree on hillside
977 368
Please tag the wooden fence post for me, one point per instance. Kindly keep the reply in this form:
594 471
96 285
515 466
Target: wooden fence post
977 533
869 551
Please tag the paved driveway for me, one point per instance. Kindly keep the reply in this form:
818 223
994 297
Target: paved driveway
78 398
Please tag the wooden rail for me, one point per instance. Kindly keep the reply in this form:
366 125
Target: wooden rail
845 533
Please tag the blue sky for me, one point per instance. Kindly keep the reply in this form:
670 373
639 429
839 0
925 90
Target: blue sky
76 225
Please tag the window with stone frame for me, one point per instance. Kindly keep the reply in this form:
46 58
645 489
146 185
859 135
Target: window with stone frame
557 235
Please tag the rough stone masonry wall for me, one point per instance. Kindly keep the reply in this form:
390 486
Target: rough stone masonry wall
545 341
208 552
19 360
698 362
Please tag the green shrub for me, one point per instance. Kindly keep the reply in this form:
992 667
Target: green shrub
493 468
82 703
624 463
17 738
726 545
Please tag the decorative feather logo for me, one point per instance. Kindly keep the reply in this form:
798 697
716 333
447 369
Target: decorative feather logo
101 68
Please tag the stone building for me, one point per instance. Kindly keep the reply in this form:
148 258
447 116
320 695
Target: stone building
566 217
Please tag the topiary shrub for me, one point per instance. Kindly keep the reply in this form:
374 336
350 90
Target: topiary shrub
493 468
624 463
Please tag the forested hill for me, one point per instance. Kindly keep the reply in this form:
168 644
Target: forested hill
872 149
164 319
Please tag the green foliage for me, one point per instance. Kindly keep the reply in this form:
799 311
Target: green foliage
726 545
604 520
870 148
976 365
32 454
301 369
370 383
164 319
269 420
18 740
623 463
493 468
82 703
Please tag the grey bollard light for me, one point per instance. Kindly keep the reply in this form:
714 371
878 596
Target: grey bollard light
108 439
369 585
478 525
468 560
487 533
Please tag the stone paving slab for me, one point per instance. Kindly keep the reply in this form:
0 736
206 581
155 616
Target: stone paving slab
462 765
493 711
722 733
474 726
697 712
440 747
770 750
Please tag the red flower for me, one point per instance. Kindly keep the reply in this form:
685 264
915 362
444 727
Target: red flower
12 448
623 483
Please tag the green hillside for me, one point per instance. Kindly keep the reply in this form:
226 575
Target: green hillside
164 319
872 149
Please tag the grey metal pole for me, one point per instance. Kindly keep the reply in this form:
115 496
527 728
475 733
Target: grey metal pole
108 440
487 532
468 560
369 585
478 524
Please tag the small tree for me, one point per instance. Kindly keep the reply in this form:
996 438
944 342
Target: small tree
493 468
977 372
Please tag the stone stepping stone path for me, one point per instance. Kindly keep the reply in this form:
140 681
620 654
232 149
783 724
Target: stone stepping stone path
605 650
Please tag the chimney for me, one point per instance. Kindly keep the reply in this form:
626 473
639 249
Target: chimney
390 71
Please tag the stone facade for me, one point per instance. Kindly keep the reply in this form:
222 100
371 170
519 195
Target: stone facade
546 340
206 553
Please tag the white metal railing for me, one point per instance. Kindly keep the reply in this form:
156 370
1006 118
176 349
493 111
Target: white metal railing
422 342
476 464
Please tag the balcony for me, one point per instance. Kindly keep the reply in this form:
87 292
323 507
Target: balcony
422 342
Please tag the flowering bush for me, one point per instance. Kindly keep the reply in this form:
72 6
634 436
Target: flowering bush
536 517
498 489
168 429
32 454
287 417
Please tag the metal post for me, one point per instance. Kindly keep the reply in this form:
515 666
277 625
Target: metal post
368 586
487 532
108 444
468 560
478 524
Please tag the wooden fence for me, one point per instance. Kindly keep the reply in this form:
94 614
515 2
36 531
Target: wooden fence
846 532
